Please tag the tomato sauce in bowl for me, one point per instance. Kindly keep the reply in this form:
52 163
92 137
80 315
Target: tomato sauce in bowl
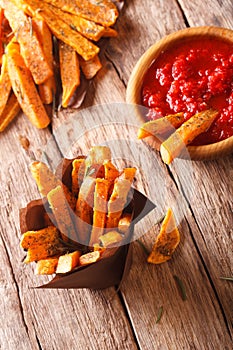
190 77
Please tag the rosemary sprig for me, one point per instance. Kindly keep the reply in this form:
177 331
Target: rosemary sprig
227 278
160 313
181 287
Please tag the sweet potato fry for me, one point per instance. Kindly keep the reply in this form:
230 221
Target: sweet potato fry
98 247
46 181
47 89
103 11
91 67
1 34
41 244
117 202
111 239
44 177
185 134
28 40
60 29
124 223
70 72
77 175
5 84
167 240
84 209
100 209
87 28
46 266
89 258
128 174
25 89
110 171
97 155
62 213
68 262
10 111
44 236
109 32
161 125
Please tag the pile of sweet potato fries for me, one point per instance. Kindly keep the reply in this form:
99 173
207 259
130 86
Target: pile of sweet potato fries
27 38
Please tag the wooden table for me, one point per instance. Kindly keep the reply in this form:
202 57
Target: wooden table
199 192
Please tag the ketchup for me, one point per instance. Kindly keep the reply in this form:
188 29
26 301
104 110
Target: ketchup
191 77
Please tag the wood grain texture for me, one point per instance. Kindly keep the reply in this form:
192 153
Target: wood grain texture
199 192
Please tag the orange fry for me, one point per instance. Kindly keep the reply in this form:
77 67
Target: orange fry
25 89
48 88
91 67
29 43
70 72
5 84
10 111
103 11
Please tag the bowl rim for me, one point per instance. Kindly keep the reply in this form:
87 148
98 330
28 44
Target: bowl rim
133 90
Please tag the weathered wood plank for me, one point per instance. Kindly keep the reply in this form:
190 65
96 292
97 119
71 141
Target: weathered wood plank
208 189
215 13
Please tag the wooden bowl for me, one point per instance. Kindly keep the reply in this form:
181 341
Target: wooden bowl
133 92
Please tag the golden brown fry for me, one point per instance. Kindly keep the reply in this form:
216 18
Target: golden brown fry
184 135
25 89
109 32
29 43
166 242
84 209
103 11
77 175
44 177
41 244
35 238
10 112
91 67
5 84
68 262
47 89
46 181
87 28
46 266
161 125
1 33
128 174
62 213
111 239
97 155
60 29
96 247
89 258
100 209
110 171
70 72
117 202
124 222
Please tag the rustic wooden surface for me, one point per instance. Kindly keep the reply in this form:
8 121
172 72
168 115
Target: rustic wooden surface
199 192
